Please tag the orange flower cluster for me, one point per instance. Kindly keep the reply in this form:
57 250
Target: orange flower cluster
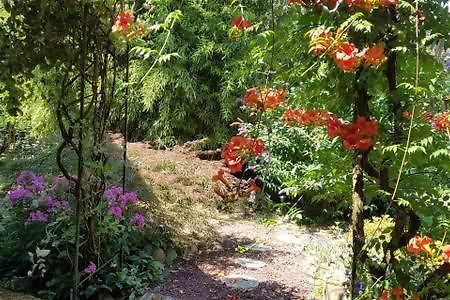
240 23
373 56
321 41
346 57
446 254
361 4
123 21
418 244
439 122
126 25
398 292
427 116
266 100
345 54
358 135
369 4
304 117
316 4
442 122
239 150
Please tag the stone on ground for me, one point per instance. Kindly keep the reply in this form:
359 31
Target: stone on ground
260 248
242 282
250 263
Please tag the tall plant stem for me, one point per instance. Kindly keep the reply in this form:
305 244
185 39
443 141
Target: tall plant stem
125 126
80 171
125 137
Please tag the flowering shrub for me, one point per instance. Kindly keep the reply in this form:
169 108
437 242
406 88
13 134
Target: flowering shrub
127 27
240 23
120 204
267 99
40 210
358 135
40 201
344 53
357 70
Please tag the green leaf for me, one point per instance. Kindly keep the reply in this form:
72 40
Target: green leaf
42 252
439 153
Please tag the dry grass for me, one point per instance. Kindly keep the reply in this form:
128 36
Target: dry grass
176 189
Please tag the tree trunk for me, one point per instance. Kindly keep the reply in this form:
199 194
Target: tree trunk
357 215
360 109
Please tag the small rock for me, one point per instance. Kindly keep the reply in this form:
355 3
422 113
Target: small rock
250 263
159 255
240 282
260 248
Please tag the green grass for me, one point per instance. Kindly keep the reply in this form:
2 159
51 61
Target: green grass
39 158
165 166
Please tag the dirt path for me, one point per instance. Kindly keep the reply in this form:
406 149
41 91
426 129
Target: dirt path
228 256
277 262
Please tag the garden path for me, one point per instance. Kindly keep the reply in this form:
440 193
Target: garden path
230 256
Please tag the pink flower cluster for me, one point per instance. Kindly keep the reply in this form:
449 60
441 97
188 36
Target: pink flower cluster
38 199
118 203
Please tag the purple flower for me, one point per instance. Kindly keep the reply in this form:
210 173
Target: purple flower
358 287
18 194
31 181
112 194
116 211
66 205
139 220
91 268
49 202
126 198
131 197
36 217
